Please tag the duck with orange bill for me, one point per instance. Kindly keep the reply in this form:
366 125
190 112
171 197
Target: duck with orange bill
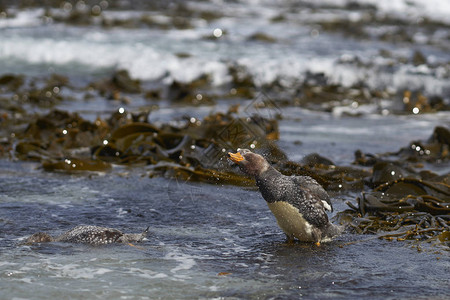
299 203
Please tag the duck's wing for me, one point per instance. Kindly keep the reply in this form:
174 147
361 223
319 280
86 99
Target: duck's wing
312 187
91 235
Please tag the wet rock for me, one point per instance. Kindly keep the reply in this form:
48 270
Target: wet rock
441 136
317 93
262 37
122 80
403 163
385 172
153 95
119 82
242 83
44 97
354 29
315 159
279 18
12 82
191 93
418 58
364 159
31 151
435 150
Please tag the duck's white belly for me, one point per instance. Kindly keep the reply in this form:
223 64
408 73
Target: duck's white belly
291 221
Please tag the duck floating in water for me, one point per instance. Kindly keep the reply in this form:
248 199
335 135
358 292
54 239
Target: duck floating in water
88 234
299 203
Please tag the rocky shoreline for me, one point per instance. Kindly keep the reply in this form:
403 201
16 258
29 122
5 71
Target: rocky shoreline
401 196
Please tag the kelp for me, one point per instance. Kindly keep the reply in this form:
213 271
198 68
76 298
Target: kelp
405 203
76 165
194 149
400 198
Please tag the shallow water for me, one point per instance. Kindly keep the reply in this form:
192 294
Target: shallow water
214 241
232 251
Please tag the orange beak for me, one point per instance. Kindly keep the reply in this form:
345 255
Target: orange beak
235 157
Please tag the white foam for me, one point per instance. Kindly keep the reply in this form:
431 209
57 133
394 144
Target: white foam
151 54
142 61
24 18
185 262
77 272
147 274
438 10
433 9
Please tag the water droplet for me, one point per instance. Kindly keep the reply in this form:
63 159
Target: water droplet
96 9
105 142
415 110
199 97
252 146
67 6
56 90
121 110
104 4
217 32
392 173
64 131
192 120
48 94
81 5
192 147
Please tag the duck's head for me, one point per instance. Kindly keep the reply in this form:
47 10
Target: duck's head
250 163
40 237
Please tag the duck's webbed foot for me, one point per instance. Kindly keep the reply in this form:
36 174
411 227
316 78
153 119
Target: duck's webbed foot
317 235
289 239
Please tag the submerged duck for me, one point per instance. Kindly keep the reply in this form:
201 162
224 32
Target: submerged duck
88 234
299 203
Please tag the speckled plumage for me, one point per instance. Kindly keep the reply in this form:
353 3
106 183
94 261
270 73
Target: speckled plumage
300 191
299 203
88 234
